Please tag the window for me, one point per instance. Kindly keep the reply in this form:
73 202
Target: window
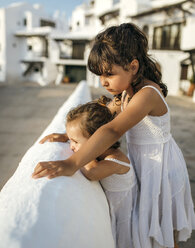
92 3
115 1
184 72
75 73
36 69
167 37
145 30
47 23
24 21
29 47
87 20
78 50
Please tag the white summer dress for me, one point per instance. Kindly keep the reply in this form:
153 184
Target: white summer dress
165 203
121 193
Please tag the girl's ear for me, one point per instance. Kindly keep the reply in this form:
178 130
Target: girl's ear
134 66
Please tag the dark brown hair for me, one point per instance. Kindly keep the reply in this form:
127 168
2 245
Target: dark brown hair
120 45
92 115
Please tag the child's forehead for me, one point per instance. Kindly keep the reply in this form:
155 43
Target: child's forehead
77 121
73 122
100 66
73 128
105 68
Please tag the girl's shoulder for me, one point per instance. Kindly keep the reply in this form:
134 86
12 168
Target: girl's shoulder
150 86
116 154
145 91
153 86
153 95
119 159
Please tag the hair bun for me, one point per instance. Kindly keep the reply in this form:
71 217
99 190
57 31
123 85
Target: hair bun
103 100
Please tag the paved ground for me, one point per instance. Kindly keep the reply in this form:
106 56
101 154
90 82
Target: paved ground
27 109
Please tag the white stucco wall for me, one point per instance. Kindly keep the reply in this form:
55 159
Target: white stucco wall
16 47
170 68
78 17
63 212
129 8
188 34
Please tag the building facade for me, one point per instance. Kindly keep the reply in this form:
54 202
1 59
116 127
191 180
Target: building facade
25 44
34 48
168 25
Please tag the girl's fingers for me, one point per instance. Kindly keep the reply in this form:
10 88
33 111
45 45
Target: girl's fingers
44 139
39 167
42 166
50 169
49 138
43 173
53 175
57 172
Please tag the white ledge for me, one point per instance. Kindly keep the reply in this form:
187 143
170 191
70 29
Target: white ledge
69 212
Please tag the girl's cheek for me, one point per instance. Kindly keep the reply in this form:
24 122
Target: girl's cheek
78 147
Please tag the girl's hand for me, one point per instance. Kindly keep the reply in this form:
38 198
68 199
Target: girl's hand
55 137
53 169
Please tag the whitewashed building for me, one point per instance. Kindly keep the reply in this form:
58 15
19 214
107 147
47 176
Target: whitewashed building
25 46
165 24
169 25
33 48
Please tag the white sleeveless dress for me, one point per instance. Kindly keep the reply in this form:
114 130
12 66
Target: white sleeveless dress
165 203
121 193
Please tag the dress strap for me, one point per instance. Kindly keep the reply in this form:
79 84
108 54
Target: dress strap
117 161
150 86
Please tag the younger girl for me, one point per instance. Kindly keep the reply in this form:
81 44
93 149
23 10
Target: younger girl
120 57
112 167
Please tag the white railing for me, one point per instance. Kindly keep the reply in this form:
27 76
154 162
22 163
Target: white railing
62 212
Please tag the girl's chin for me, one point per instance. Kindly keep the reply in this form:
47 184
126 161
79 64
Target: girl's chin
114 92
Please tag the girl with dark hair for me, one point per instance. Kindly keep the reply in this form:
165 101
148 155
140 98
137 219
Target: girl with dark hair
120 57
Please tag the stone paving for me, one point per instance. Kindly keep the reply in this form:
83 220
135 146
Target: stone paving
27 109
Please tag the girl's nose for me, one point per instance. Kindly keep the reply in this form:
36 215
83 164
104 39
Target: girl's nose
72 147
104 81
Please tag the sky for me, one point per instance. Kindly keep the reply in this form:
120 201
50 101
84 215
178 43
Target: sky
50 6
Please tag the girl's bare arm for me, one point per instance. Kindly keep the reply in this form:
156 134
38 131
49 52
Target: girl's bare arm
97 170
142 104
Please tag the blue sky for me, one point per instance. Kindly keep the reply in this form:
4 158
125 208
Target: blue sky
50 6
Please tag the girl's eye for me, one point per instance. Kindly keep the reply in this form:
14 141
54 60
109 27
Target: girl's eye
109 74
73 141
